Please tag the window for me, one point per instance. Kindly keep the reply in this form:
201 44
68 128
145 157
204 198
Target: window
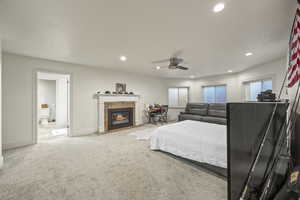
178 97
214 94
253 88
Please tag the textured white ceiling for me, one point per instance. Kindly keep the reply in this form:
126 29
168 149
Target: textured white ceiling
97 32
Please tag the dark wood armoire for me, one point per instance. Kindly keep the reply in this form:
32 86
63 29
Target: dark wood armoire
247 122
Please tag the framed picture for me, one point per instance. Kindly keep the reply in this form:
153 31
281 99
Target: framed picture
120 88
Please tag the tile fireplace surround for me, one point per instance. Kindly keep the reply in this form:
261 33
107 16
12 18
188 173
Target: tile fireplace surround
105 101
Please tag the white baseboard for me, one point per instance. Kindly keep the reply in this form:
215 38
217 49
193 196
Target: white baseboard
7 146
1 161
82 132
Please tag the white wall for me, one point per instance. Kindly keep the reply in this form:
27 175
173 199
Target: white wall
18 94
1 157
234 82
18 97
275 70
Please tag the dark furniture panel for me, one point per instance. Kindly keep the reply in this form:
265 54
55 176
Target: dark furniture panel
296 142
247 122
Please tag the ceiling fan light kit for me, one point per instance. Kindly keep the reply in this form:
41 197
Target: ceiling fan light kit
175 62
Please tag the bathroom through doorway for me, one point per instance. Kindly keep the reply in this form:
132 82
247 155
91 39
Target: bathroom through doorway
53 105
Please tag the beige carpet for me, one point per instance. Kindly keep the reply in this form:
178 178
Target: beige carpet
109 167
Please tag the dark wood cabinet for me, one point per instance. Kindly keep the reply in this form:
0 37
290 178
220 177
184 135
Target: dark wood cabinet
247 122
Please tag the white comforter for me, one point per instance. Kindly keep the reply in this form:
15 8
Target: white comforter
198 141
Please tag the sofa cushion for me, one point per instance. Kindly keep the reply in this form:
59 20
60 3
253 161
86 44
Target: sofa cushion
211 113
197 109
215 120
217 110
217 113
183 117
217 106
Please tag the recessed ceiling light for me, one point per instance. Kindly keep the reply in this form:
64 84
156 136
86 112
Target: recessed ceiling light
123 58
219 7
230 71
158 67
249 54
192 76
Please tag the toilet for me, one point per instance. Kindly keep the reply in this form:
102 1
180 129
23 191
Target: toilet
44 116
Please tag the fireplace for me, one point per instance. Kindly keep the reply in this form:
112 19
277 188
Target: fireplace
107 105
120 118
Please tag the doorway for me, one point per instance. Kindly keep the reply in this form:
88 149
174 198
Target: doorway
53 105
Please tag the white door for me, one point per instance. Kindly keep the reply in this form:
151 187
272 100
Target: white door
62 103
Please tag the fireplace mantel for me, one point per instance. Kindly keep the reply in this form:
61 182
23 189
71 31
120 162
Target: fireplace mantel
102 99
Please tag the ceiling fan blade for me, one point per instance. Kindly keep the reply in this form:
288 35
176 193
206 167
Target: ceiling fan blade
161 61
177 53
182 68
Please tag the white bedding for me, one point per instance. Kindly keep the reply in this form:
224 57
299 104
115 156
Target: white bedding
194 140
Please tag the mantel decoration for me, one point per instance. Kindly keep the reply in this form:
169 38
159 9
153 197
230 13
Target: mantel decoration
121 88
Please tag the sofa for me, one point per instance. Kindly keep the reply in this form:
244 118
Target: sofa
211 113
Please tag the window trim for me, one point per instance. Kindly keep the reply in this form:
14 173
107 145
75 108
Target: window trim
188 94
214 85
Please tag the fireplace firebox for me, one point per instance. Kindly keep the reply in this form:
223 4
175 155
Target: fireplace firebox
120 118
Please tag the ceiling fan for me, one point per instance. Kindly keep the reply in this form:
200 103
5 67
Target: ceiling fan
175 62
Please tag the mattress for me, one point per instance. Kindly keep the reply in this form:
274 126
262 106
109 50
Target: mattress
199 141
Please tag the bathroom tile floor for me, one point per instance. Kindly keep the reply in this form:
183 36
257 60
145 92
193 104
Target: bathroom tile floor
45 131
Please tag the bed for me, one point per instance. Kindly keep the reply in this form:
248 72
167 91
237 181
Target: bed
198 141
